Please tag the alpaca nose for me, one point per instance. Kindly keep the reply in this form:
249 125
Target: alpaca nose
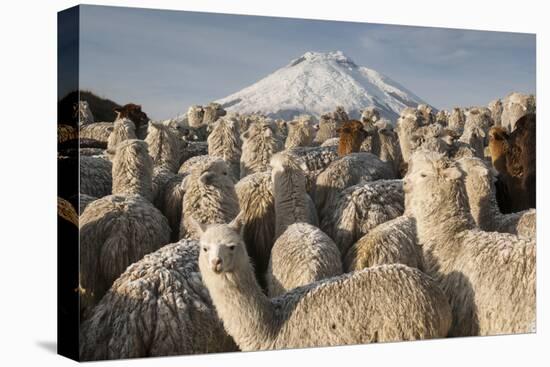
216 264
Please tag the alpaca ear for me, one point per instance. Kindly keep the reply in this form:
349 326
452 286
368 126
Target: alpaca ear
452 173
237 223
183 184
199 227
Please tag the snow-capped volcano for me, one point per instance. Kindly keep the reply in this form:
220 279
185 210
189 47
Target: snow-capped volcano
316 83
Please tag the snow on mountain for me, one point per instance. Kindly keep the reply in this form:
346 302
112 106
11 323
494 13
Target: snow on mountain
316 83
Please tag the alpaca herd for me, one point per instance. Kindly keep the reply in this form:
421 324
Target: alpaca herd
224 232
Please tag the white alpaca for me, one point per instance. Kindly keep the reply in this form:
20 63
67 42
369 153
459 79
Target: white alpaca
489 277
386 303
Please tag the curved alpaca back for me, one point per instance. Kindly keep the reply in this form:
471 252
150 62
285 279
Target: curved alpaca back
164 146
289 191
133 169
225 142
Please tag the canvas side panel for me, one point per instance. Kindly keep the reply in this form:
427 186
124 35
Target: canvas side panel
67 183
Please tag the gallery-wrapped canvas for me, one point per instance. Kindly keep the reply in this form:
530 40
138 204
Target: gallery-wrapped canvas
232 183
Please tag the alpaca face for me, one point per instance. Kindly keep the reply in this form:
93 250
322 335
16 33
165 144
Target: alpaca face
222 249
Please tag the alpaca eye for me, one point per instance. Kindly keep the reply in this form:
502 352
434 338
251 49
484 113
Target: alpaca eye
205 249
423 175
232 247
225 173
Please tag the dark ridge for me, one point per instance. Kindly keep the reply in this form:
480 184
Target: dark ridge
102 108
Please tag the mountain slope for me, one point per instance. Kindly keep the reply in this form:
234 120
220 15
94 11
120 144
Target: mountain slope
316 83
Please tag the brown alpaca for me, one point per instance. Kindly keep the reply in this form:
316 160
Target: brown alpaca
521 162
139 118
498 143
352 135
514 157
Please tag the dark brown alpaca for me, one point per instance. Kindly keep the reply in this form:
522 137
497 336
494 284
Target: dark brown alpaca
521 161
139 118
514 157
352 135
498 143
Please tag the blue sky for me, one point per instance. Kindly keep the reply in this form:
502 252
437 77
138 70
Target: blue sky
168 60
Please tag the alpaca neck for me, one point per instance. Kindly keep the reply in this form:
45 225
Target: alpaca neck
443 221
485 211
289 199
247 314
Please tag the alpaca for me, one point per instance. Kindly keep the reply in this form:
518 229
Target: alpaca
303 254
495 107
209 196
521 163
289 192
195 115
352 135
85 115
119 229
442 118
300 132
371 114
514 106
164 146
328 129
339 114
480 118
360 208
386 303
259 144
390 150
115 231
498 144
474 137
391 242
212 112
408 122
96 177
168 197
124 129
457 120
489 277
350 170
225 142
98 131
480 190
133 169
256 202
134 113
427 114
157 307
